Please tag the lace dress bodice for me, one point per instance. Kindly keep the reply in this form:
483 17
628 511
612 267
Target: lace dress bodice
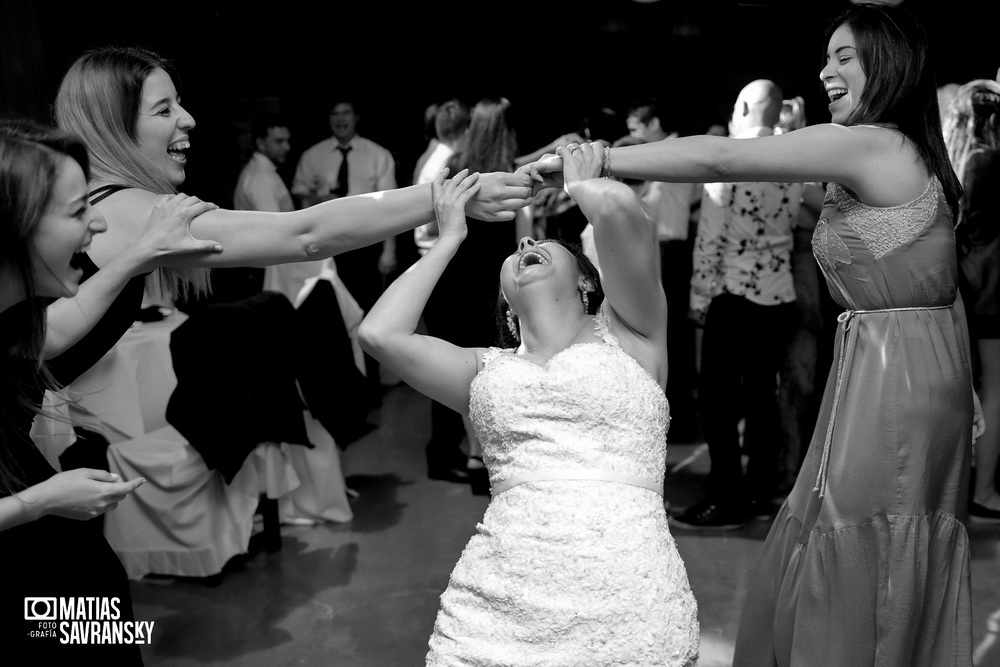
568 570
592 406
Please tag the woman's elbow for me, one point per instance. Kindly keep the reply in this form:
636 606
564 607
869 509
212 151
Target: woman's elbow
370 337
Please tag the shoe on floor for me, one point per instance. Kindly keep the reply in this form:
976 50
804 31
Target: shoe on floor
711 515
762 510
479 477
449 474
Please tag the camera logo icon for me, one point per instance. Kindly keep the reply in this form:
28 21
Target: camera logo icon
40 609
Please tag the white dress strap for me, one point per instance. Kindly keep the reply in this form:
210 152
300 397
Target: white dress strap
492 353
602 325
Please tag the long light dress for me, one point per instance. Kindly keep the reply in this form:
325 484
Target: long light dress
867 563
573 563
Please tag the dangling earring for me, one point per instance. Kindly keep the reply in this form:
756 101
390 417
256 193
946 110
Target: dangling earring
512 325
586 301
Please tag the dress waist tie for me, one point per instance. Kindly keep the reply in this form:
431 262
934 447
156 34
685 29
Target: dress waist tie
576 474
845 319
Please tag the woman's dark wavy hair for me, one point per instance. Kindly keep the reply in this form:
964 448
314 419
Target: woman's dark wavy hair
900 90
30 158
594 299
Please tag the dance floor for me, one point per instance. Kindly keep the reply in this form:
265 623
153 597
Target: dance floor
366 593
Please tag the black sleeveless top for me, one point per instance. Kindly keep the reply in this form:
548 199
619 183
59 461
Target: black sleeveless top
72 363
55 557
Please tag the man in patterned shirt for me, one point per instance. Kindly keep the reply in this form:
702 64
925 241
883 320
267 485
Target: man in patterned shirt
742 292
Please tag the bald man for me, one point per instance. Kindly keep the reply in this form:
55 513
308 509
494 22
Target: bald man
742 292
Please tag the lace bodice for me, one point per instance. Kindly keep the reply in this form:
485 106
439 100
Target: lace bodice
591 406
887 257
562 570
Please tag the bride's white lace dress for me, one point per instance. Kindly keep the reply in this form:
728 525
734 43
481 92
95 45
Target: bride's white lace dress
573 563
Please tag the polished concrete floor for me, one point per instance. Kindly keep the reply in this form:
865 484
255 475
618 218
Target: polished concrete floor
366 593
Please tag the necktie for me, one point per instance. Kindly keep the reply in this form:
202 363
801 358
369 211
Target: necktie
342 187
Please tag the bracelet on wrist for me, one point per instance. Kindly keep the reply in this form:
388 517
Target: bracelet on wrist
606 163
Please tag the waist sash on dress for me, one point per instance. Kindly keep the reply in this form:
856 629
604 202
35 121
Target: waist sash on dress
845 320
576 474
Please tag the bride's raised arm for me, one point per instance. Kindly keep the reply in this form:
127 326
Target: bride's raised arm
434 367
624 238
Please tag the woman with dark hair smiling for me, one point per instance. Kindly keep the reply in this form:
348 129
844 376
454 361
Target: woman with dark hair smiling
48 546
867 562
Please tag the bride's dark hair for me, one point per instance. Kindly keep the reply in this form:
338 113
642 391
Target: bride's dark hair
594 299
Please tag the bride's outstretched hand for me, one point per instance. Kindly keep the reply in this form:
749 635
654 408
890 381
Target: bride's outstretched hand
450 198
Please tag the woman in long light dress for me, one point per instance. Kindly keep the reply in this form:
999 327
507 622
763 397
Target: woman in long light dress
573 563
867 562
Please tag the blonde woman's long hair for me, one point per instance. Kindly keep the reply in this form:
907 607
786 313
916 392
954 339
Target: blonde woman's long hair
99 100
972 122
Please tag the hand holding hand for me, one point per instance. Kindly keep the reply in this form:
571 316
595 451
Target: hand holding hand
545 172
581 161
450 198
84 493
499 195
168 230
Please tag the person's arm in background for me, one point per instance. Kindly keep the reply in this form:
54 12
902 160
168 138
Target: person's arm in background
306 183
387 181
706 271
571 138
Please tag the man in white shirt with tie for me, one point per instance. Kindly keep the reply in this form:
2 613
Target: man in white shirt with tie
342 165
348 164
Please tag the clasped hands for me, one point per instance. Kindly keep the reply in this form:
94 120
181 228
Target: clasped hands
571 163
501 194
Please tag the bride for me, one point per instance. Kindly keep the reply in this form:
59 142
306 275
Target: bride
573 563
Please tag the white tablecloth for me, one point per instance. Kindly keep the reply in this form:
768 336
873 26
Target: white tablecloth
184 520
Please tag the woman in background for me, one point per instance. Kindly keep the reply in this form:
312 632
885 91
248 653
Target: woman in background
972 134
490 145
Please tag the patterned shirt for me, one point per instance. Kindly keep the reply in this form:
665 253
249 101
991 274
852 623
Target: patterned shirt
744 241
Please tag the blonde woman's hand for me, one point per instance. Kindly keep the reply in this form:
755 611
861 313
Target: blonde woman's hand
450 198
545 172
168 229
500 195
83 493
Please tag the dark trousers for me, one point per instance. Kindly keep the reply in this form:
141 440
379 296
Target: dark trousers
359 271
741 352
675 272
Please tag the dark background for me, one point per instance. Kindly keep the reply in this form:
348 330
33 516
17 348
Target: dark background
556 61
